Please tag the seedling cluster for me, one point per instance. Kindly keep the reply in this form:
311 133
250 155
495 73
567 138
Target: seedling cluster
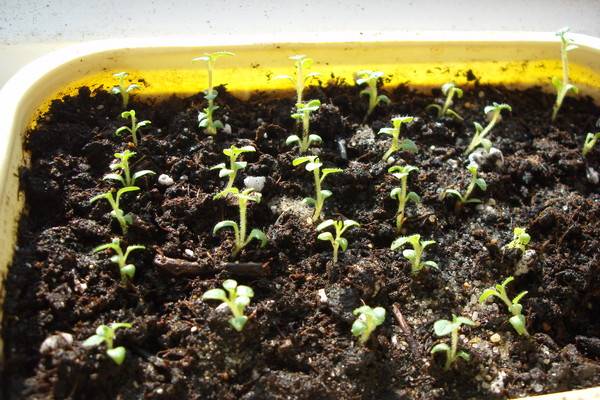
238 297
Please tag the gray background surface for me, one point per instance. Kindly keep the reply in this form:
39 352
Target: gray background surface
29 28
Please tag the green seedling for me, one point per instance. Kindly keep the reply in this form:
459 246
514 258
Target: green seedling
520 240
313 164
371 79
127 271
479 138
563 87
368 319
394 132
590 142
299 79
337 241
230 172
135 126
466 198
244 197
443 327
517 320
401 193
302 113
124 219
414 255
449 90
106 334
125 177
123 89
239 297
206 117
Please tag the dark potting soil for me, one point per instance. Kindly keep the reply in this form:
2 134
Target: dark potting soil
297 343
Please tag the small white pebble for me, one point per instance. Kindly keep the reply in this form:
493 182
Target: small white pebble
186 130
227 129
322 296
165 180
160 391
495 338
255 182
194 329
189 253
100 107
259 120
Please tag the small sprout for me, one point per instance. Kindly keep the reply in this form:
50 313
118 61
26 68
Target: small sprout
205 118
233 153
127 270
518 319
479 138
400 193
443 327
239 298
118 214
368 319
520 239
394 132
449 89
125 177
415 254
590 142
133 130
563 86
302 113
248 195
123 89
314 164
302 64
338 241
475 181
106 334
371 78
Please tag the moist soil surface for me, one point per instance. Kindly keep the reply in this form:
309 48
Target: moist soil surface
297 343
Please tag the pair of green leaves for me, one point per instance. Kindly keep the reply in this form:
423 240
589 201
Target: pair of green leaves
124 219
237 299
394 132
127 271
444 327
302 113
475 182
449 90
371 78
135 125
337 241
123 89
415 254
368 319
230 171
520 239
517 320
106 334
125 177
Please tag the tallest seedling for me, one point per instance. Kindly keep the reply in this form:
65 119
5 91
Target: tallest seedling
302 64
563 86
205 118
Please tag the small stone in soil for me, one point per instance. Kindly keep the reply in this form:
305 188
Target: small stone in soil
165 180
